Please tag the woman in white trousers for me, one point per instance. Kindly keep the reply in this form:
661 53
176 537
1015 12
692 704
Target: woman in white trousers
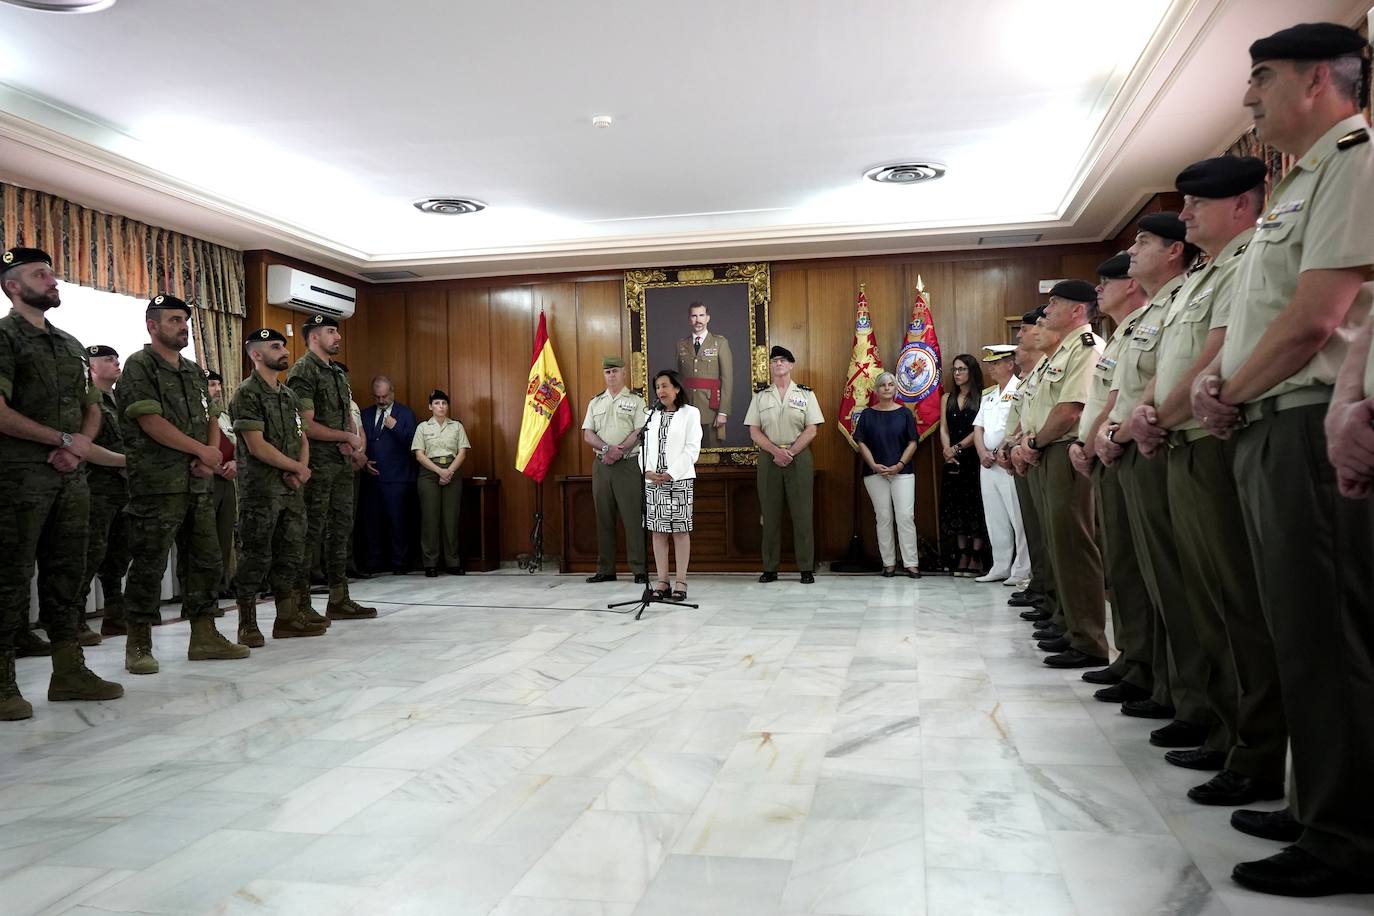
886 436
1001 511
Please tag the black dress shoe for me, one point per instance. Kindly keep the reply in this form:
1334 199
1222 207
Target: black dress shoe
455 571
1036 614
601 577
808 578
768 577
1102 676
641 578
1295 872
1047 630
1075 659
1058 644
399 571
1121 693
431 572
1179 734
1024 601
1231 788
1200 758
1149 709
889 573
1279 825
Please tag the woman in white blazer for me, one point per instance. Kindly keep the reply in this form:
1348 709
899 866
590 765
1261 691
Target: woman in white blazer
672 441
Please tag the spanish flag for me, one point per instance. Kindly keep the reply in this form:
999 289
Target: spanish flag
865 365
547 414
918 367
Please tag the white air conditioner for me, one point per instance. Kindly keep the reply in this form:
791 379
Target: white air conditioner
304 292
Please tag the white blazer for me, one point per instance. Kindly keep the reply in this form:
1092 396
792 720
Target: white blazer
683 445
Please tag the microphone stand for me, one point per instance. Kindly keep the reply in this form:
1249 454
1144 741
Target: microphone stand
647 597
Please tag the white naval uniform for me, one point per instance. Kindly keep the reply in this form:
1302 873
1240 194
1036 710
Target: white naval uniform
1001 510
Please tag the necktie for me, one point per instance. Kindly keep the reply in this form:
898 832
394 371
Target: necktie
381 416
696 343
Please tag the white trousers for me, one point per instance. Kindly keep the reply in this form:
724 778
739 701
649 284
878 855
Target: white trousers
1001 511
894 497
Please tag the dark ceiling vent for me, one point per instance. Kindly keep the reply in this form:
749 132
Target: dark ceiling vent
905 172
449 206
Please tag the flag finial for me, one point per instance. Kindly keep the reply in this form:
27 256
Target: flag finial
861 287
920 286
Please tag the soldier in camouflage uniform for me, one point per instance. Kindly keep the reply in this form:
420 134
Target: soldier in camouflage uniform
324 401
107 548
48 416
273 457
172 450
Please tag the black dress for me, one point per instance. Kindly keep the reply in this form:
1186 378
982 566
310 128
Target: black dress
961 499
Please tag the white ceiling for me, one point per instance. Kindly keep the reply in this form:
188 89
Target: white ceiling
742 127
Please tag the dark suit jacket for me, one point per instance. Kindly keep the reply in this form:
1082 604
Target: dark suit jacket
390 448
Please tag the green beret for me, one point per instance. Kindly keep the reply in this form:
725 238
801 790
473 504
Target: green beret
1222 176
612 362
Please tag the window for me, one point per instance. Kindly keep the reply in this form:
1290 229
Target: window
96 317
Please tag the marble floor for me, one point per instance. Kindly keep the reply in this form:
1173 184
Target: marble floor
490 746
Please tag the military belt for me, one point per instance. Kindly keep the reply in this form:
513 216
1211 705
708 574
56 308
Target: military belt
1303 397
443 461
1181 437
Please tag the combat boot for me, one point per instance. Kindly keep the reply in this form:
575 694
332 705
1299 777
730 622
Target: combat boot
112 626
208 643
307 610
28 644
138 650
342 607
13 706
84 634
291 622
249 634
72 680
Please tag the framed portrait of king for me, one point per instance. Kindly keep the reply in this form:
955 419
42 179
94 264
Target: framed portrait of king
710 325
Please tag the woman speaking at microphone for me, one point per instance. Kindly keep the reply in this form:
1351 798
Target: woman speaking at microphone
672 441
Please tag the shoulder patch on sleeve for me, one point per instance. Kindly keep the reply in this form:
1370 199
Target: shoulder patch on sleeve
1354 138
1087 339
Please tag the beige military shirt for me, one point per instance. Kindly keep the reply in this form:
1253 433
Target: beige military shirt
1020 399
437 440
1136 362
1201 306
1319 218
1369 366
1065 378
783 415
614 416
1104 370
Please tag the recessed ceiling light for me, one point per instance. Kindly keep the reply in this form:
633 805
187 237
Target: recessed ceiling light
449 206
63 6
601 121
905 172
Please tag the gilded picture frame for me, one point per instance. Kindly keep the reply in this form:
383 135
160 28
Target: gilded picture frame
664 308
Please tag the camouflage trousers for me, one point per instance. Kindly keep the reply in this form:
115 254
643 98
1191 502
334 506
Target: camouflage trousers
42 514
329 512
107 550
156 522
270 538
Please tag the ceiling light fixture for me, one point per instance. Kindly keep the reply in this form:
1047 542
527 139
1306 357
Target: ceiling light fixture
449 206
601 121
63 6
905 173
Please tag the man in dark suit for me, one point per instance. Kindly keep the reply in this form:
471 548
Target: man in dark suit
389 485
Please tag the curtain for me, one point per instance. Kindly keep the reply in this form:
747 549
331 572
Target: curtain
121 255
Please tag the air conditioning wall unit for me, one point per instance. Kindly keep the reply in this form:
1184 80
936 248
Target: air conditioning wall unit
296 289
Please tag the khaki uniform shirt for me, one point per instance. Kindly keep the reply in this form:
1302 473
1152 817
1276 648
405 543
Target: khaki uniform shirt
276 413
1022 396
1104 370
712 363
1319 218
323 387
436 441
1202 306
1064 379
614 417
43 377
151 386
783 416
1135 365
1369 368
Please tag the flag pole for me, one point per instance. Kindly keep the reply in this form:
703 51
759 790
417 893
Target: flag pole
535 562
856 559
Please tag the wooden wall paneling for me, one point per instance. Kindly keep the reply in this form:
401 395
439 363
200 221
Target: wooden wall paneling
427 347
559 302
471 373
513 319
600 315
381 346
831 294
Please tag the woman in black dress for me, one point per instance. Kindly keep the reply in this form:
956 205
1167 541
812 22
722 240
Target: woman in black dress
963 533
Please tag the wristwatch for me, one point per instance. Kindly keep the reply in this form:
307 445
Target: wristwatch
1032 444
67 440
1111 435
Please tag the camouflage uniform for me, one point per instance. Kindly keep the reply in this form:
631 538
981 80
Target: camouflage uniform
107 548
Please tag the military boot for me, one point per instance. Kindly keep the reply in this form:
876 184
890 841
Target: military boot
342 607
302 596
208 643
138 650
84 634
112 621
291 622
28 644
72 680
13 706
249 634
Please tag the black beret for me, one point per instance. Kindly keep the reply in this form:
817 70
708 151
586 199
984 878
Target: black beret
1075 290
265 335
1115 267
1164 224
1308 41
1034 315
164 301
438 394
19 256
318 320
1222 176
781 352
212 376
101 350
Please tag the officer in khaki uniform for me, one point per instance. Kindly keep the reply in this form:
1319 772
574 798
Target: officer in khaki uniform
1050 424
107 547
612 427
1223 196
783 419
708 373
48 415
325 397
440 446
1302 289
1027 357
273 458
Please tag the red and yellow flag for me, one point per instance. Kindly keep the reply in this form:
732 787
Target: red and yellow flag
865 365
918 368
547 413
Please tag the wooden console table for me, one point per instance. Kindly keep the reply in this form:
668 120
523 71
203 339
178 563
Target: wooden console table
479 524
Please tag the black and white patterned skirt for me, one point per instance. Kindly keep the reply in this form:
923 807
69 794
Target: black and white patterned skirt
670 506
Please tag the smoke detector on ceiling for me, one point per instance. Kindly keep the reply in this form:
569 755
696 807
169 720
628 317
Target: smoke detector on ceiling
905 173
63 6
449 206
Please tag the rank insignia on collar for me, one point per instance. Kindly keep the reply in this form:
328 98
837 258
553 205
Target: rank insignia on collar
1241 250
1088 339
1354 138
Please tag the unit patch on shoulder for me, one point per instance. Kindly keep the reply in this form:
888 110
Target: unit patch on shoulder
1354 138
